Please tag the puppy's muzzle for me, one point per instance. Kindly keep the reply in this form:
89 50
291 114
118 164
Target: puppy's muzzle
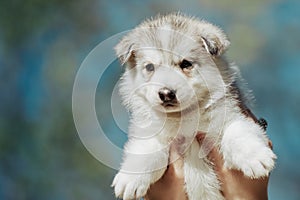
167 96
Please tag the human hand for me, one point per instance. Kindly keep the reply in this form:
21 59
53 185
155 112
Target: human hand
171 185
234 185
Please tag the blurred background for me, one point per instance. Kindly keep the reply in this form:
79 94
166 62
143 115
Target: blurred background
43 43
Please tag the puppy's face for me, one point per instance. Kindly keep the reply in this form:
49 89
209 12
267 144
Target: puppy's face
171 63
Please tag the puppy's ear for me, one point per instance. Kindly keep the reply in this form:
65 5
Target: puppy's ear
213 39
125 51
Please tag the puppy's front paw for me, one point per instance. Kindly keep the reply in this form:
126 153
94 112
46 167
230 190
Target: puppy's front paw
131 186
244 147
255 163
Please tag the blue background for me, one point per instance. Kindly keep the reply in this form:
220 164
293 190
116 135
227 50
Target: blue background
42 44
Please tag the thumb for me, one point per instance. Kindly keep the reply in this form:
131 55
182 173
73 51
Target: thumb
209 150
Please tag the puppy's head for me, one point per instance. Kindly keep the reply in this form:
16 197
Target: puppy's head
172 63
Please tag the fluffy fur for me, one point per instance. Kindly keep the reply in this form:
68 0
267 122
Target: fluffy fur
208 99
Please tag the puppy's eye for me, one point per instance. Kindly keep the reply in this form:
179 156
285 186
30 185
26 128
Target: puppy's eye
149 67
185 64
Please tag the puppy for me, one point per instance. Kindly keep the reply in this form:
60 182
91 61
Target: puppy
177 83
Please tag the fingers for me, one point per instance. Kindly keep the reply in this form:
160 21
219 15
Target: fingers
216 158
211 150
200 137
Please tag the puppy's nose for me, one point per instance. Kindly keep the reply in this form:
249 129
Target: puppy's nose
166 94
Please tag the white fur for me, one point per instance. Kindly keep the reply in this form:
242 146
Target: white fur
245 147
207 102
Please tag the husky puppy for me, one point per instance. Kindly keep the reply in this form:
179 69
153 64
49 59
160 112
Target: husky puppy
177 83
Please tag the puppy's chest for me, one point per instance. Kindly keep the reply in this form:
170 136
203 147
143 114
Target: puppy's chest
183 131
188 126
